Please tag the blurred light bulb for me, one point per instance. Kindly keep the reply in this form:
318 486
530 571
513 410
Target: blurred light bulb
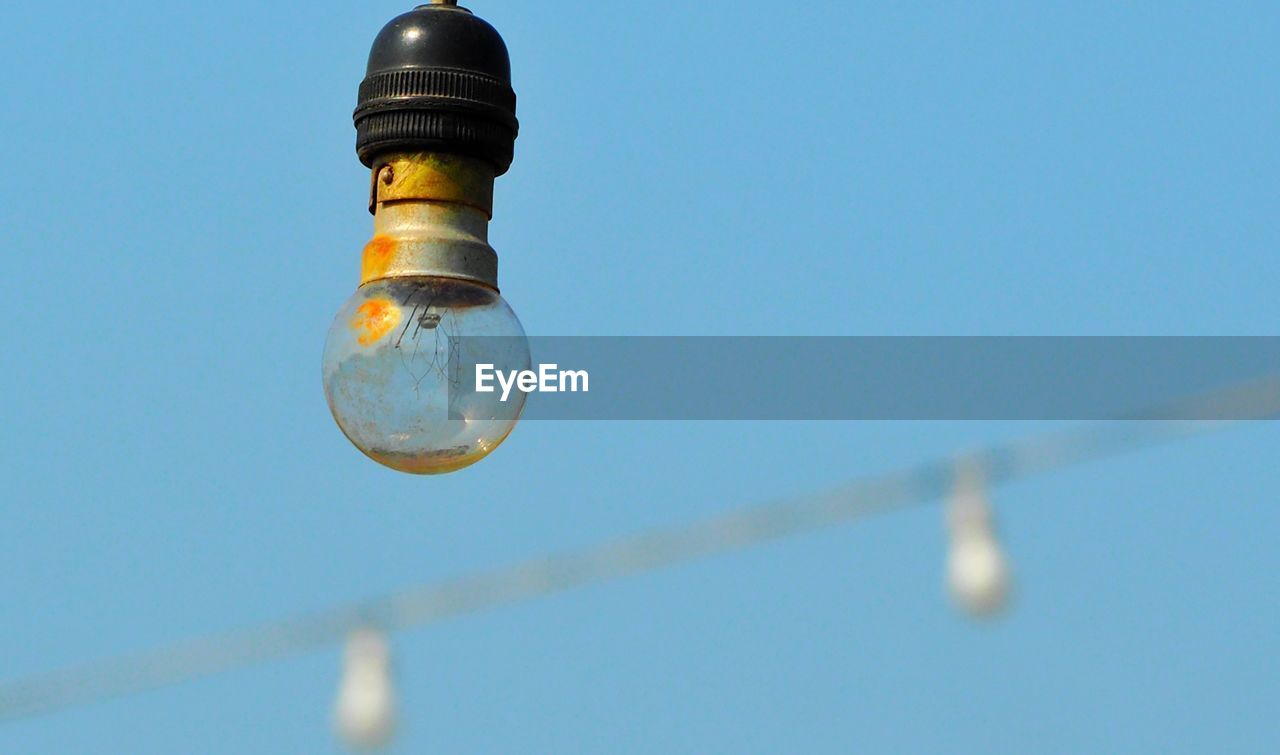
977 572
978 575
400 359
365 711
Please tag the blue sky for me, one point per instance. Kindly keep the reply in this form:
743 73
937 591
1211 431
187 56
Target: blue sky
184 211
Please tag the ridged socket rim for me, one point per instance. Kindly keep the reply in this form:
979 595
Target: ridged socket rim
444 108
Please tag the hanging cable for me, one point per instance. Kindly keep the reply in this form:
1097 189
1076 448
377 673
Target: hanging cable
741 528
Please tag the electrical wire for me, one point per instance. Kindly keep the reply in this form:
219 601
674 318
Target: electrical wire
416 606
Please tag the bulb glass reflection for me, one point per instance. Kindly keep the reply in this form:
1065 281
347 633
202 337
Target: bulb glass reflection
399 371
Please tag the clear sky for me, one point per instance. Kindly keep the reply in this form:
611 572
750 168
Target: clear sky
183 213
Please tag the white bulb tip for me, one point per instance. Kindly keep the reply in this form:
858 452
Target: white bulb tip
978 575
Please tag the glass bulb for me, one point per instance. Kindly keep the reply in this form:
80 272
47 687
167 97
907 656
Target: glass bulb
399 371
365 711
977 573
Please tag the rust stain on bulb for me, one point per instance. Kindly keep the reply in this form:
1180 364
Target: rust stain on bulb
374 320
378 254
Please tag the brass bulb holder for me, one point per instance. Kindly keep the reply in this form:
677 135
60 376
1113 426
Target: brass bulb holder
431 216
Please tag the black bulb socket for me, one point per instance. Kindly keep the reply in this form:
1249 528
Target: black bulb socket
438 80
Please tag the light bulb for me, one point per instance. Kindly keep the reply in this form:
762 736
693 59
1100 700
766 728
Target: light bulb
365 711
436 124
977 572
400 359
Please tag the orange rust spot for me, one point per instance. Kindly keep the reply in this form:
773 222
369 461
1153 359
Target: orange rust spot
377 257
374 319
